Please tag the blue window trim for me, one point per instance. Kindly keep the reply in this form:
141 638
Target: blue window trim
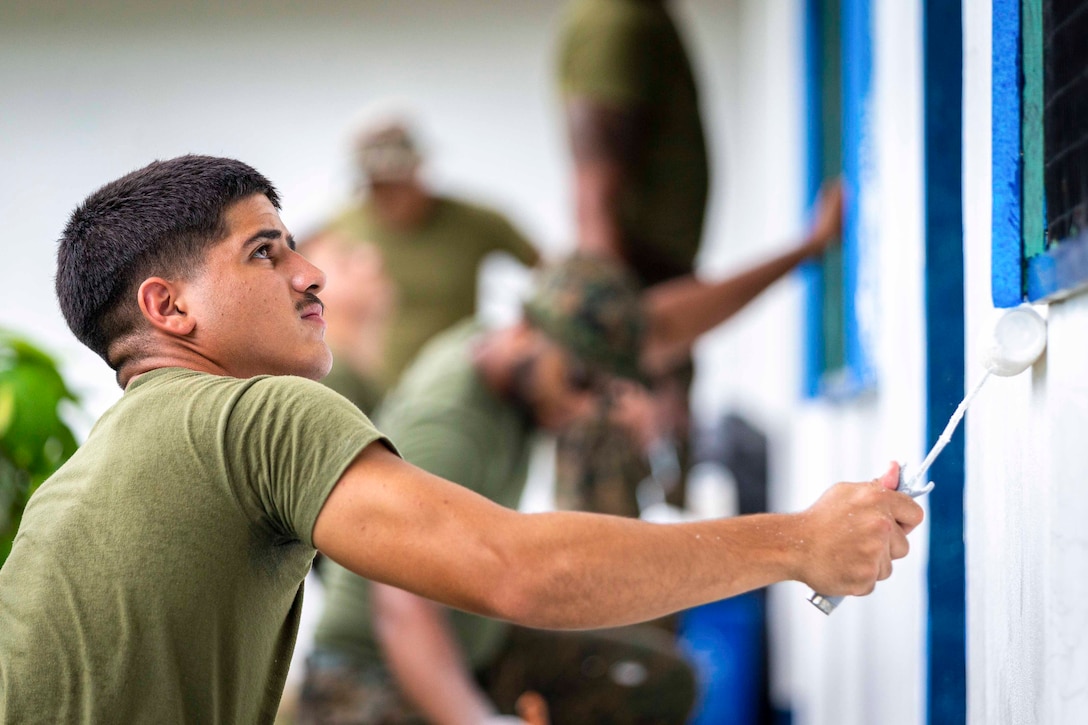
812 272
859 295
942 39
858 168
1006 229
1063 268
1059 271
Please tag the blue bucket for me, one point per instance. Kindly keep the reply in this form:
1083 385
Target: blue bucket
724 642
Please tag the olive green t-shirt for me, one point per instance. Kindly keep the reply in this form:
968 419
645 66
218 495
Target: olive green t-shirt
434 268
447 422
628 54
157 576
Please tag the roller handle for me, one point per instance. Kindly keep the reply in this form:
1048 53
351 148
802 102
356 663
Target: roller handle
825 604
828 604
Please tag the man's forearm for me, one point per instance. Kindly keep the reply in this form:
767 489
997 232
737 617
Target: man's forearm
844 543
392 522
666 568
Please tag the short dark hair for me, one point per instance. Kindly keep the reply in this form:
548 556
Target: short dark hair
158 220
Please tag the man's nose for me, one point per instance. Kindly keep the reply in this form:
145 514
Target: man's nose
308 278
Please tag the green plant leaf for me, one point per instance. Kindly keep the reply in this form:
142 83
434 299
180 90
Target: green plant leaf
34 439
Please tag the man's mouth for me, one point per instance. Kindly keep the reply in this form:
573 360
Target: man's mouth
312 309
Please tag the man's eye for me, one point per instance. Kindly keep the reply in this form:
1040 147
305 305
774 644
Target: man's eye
262 252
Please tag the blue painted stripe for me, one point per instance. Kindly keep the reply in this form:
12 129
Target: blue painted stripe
858 156
811 271
944 304
1007 279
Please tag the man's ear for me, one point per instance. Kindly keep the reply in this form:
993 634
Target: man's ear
162 305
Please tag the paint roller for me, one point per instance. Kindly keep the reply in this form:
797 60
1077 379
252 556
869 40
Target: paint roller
1016 342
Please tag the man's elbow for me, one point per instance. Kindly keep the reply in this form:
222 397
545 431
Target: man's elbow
537 595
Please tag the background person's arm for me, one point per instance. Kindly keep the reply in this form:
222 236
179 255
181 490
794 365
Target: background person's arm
426 659
680 311
394 523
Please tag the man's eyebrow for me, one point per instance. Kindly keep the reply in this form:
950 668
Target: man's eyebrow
268 235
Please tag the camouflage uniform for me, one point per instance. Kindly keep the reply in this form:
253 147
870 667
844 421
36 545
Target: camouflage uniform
594 310
629 675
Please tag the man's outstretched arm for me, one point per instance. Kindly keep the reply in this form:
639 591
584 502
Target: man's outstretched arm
394 523
680 311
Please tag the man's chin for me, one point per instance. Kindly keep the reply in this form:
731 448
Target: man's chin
319 367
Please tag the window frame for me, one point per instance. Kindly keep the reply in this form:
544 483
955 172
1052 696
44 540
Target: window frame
1024 266
856 376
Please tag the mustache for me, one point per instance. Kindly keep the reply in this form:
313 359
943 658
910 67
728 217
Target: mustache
309 298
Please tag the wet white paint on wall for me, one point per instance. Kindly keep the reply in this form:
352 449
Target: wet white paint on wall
1026 502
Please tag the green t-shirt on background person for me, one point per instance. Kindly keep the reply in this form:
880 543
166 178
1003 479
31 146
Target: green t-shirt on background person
361 391
167 555
448 423
433 267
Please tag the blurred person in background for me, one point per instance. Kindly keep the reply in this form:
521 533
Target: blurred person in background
467 409
641 181
631 104
359 302
431 244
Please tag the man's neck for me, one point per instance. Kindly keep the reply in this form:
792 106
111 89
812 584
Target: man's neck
131 371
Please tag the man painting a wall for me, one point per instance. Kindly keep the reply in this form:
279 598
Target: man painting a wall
169 551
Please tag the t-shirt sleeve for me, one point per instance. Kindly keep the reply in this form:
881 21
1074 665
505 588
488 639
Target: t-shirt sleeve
608 57
286 444
506 238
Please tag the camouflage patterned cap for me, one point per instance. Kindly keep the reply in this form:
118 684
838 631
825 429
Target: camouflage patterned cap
592 307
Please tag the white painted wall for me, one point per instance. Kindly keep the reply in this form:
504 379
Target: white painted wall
1026 505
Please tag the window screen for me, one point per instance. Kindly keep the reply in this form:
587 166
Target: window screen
1040 149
